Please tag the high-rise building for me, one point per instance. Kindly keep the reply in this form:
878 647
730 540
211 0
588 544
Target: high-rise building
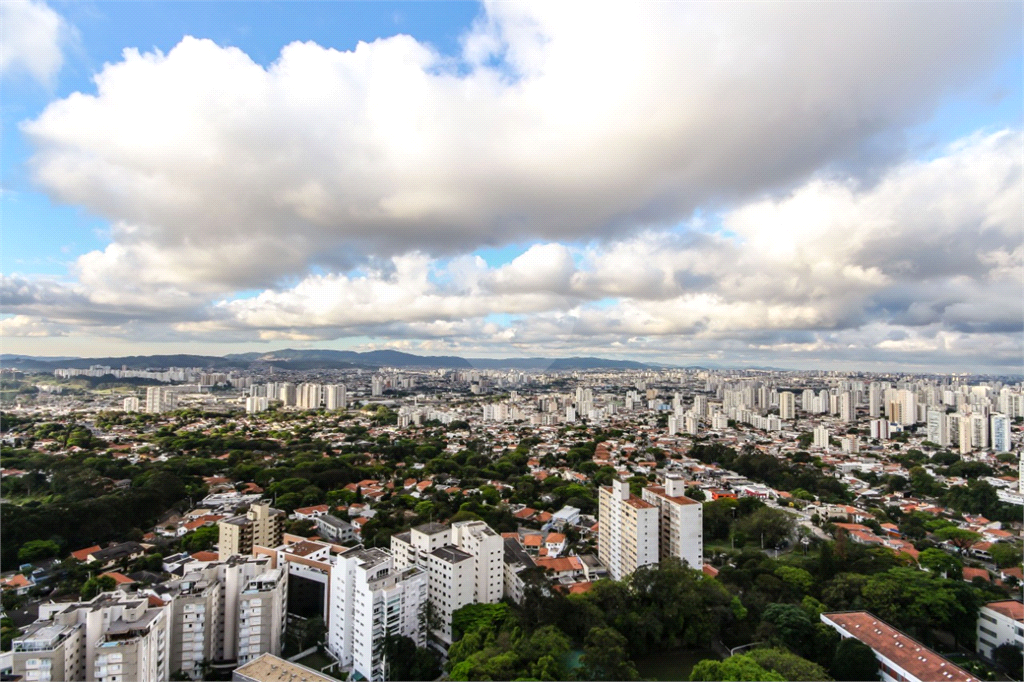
371 599
876 391
787 405
261 526
377 386
681 521
463 563
113 637
262 615
628 537
979 432
847 409
880 429
700 406
286 394
821 437
938 428
160 399
335 397
1000 433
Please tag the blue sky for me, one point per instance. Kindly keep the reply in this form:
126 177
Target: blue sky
632 187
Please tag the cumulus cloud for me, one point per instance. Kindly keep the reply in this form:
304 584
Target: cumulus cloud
32 37
558 123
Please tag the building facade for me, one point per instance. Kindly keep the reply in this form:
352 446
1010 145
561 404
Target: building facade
680 520
628 536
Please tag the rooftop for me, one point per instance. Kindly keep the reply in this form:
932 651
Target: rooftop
431 528
904 651
451 554
270 668
1009 608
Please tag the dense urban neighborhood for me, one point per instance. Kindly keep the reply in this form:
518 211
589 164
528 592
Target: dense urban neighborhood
589 522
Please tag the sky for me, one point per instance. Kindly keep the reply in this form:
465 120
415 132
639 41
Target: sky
797 185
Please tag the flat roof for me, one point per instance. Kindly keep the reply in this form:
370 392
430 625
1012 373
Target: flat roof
270 668
451 554
898 647
431 528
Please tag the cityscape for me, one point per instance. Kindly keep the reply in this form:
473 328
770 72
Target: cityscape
511 341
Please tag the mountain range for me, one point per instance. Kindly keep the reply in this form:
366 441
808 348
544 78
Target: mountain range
320 359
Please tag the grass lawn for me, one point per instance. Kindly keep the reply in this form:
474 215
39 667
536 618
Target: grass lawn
672 665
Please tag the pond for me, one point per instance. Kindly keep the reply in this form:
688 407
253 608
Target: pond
672 665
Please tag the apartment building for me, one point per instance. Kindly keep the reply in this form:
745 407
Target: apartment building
195 621
371 598
629 530
308 564
262 614
270 668
261 526
464 563
110 638
1000 622
680 521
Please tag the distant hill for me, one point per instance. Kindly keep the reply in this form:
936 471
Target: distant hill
308 360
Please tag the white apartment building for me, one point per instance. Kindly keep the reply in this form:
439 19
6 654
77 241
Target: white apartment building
979 431
159 399
335 397
1000 433
821 437
1000 622
371 598
628 537
261 615
681 521
938 427
464 563
113 637
131 404
787 405
880 429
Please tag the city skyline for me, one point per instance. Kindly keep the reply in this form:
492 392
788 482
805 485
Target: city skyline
798 186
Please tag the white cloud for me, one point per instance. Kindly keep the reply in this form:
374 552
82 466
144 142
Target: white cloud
221 174
31 39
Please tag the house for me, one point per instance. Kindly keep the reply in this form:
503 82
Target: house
1000 622
17 583
555 543
311 513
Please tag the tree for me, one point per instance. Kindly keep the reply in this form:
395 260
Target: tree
1005 555
200 539
793 625
94 586
771 525
36 550
739 667
1008 659
937 561
789 665
605 656
854 660
961 538
406 661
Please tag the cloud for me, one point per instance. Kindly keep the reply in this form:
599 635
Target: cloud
927 260
32 36
25 326
558 124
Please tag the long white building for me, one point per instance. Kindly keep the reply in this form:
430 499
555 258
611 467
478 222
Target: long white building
628 535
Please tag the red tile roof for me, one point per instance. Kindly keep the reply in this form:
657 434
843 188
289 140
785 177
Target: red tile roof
83 554
119 578
1009 608
904 651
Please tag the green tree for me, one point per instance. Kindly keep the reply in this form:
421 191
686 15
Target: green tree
789 665
939 562
36 550
605 656
1008 659
792 624
94 586
799 580
854 660
739 667
961 538
200 539
1005 555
